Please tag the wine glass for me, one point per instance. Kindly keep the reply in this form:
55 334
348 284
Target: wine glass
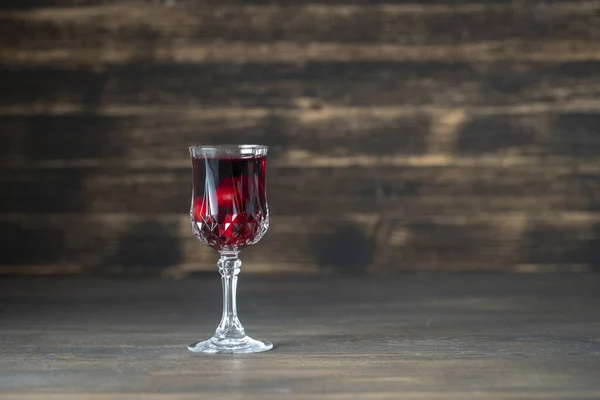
229 212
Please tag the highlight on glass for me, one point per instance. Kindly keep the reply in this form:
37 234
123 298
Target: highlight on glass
229 212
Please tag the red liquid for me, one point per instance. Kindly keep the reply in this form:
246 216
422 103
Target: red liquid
229 203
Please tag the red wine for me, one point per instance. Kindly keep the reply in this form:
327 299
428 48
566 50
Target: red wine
229 203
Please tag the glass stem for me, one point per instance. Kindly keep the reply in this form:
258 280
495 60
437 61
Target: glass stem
230 326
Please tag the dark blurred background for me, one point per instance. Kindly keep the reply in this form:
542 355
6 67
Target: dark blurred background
404 135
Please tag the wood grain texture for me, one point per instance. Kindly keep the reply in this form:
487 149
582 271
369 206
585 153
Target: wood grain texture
342 243
423 189
292 52
428 135
518 135
186 23
310 85
412 336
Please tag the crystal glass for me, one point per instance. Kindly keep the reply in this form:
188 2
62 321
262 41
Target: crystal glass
229 212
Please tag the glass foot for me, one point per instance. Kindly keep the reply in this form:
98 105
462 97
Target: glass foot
217 345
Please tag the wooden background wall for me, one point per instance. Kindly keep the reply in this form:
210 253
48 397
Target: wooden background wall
405 135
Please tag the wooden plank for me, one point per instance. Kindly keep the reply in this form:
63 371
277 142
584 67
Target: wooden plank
308 112
184 24
516 243
24 5
309 138
426 190
314 84
41 138
469 336
292 52
341 243
579 395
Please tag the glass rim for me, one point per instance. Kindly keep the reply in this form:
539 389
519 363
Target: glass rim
228 147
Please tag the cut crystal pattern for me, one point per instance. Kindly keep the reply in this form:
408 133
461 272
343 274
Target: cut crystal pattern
233 233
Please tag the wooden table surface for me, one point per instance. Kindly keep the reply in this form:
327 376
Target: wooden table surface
468 336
